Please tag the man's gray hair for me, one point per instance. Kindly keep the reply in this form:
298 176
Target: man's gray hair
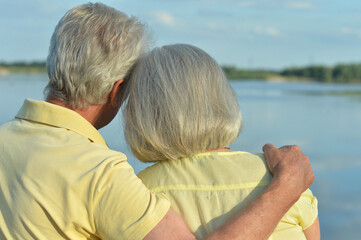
92 47
180 104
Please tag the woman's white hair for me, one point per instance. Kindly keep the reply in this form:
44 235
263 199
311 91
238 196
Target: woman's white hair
92 47
180 104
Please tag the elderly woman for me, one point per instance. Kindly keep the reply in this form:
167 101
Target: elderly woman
183 114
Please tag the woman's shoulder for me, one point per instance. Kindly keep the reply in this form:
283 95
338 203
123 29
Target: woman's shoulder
157 173
250 167
242 159
217 167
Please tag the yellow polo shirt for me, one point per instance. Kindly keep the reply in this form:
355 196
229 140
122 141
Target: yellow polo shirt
59 180
209 188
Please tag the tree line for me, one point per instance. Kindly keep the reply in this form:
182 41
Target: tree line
341 73
24 67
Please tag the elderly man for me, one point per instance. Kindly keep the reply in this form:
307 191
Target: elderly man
59 179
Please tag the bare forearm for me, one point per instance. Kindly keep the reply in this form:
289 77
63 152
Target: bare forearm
259 218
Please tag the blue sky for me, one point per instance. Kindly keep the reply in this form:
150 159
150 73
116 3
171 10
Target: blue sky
245 33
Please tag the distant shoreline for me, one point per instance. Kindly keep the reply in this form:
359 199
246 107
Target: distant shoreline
8 70
341 73
22 67
4 71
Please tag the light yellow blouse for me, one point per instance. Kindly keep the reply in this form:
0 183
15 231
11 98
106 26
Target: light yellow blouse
209 188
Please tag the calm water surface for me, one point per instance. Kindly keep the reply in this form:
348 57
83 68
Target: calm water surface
327 126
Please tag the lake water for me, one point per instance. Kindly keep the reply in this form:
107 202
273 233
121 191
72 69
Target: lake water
326 126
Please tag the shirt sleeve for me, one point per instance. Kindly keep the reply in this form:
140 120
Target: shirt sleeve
307 205
123 207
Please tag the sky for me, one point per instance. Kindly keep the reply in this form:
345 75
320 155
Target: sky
256 34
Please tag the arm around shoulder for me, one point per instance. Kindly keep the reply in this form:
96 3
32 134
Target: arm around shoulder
292 176
265 211
170 227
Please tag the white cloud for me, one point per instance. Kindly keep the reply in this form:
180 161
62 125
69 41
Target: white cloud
164 18
351 32
270 31
261 30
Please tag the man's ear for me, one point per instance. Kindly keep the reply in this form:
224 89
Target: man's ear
113 95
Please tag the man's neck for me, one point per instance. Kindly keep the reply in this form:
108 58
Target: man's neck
91 113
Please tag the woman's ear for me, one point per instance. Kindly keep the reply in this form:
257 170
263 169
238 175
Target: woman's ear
113 95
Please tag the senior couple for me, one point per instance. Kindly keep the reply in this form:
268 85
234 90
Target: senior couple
59 179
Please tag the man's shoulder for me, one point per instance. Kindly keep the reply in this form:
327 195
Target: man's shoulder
7 127
103 153
56 149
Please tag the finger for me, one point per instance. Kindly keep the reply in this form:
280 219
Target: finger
286 147
290 147
267 147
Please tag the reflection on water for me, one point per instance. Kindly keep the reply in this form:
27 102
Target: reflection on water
323 119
